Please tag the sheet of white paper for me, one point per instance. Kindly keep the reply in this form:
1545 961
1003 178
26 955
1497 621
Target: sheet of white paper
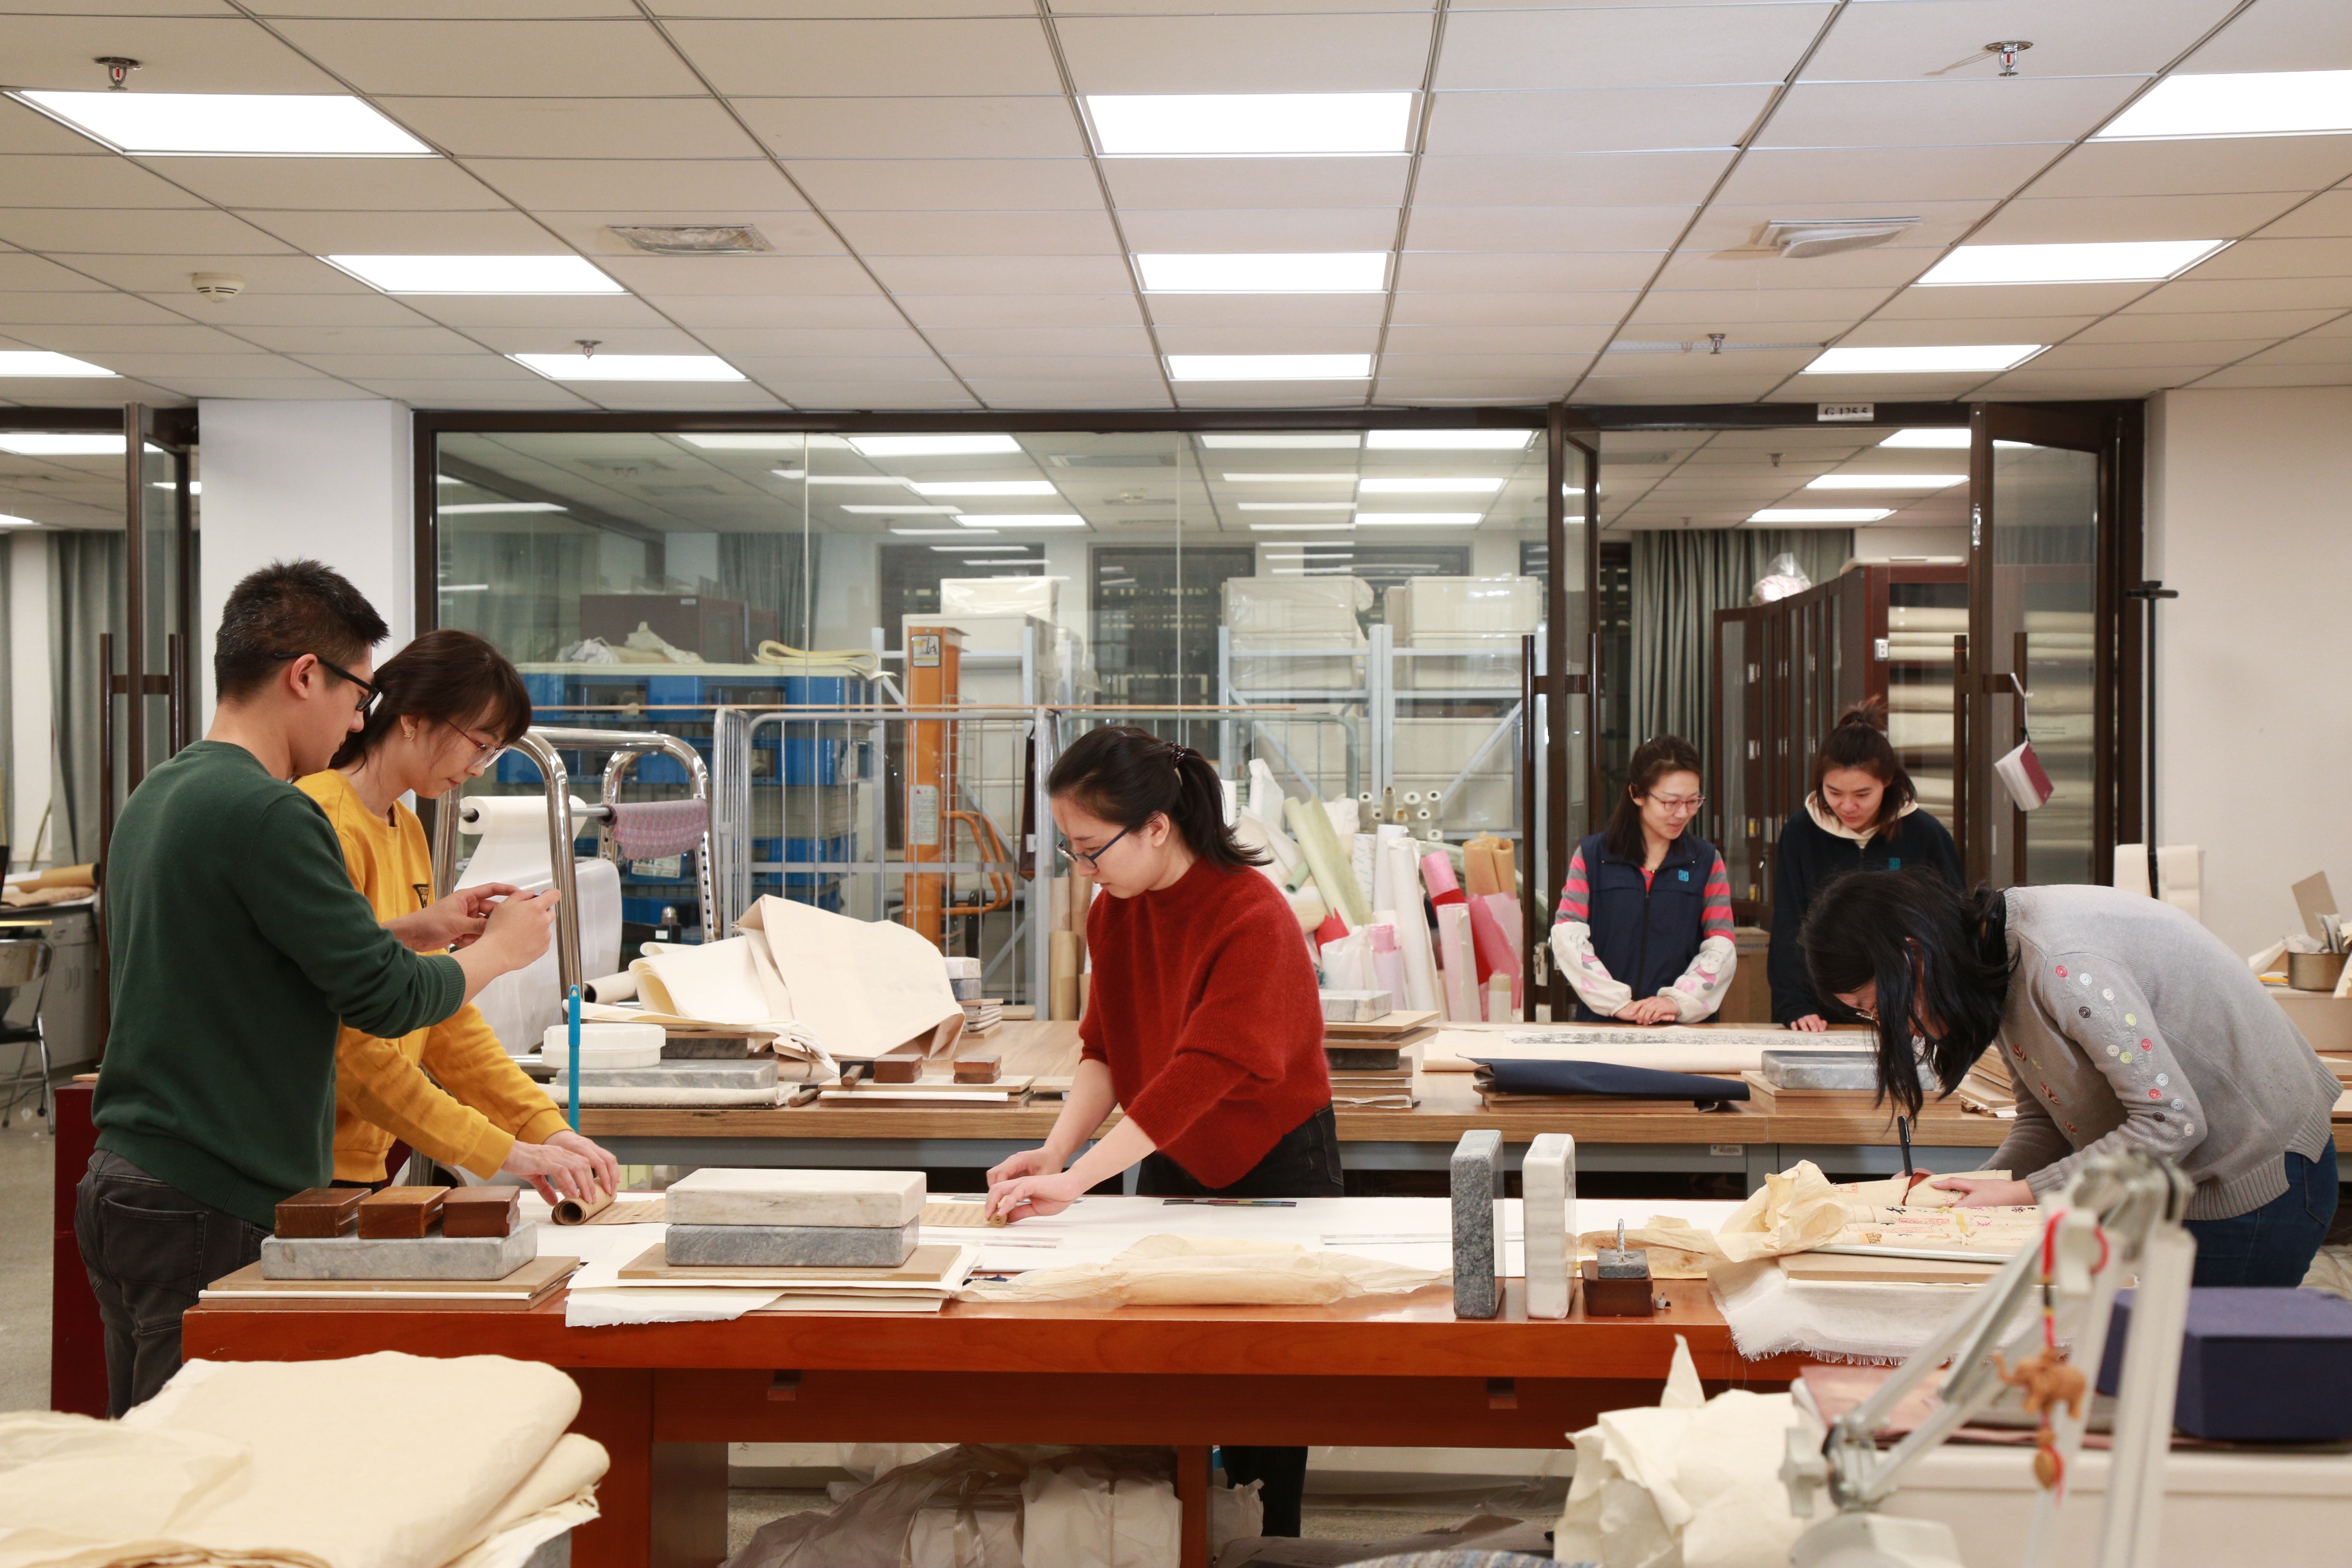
604 1309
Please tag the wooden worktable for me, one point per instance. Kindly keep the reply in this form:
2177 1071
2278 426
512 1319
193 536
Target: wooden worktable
1739 1138
665 1399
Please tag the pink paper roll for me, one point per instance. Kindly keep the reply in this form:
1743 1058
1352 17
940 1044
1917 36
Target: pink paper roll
1388 962
1437 876
1499 953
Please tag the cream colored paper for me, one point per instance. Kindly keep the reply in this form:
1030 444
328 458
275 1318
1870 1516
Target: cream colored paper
1213 1271
863 987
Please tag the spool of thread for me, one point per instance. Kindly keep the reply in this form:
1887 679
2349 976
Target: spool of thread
1413 797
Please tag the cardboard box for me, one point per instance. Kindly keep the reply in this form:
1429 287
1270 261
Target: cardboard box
2256 1365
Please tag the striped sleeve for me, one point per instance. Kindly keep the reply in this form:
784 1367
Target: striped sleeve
1576 893
1716 921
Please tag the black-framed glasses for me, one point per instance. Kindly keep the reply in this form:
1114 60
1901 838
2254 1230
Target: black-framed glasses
368 692
1094 860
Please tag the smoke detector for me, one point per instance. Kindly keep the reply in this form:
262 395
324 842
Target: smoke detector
693 238
1799 238
217 285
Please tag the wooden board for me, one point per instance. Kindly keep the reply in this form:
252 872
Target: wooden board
927 1266
956 1213
525 1285
1386 1026
1822 1267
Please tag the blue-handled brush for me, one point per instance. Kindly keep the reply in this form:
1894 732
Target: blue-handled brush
571 1072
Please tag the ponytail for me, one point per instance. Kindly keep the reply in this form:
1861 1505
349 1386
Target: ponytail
1126 776
1860 741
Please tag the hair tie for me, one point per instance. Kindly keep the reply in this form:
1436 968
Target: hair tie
1177 754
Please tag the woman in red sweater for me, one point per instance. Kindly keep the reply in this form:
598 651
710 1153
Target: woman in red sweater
1203 1025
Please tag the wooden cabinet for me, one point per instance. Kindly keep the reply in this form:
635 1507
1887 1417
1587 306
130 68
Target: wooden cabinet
1781 674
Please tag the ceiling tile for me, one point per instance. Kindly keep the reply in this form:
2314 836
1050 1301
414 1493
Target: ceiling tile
1261 230
2280 258
1367 52
1885 267
1950 112
458 9
168 275
584 314
871 56
1522 271
2334 352
435 367
1077 342
2328 215
583 184
1944 38
24 129
1647 228
819 396
2080 384
1003 274
920 128
1728 309
990 184
645 339
269 309
501 233
1227 182
544 58
1049 394
2133 356
1499 338
957 232
929 310
403 184
2245 375
796 231
1896 180
1728 226
92 179
1600 121
316 340
1569 179
2195 167
1486 308
426 392
1885 332
571 128
2069 219
660 275
2175 327
90 304
699 310
279 387
139 232
1269 340
2281 36
1267 309
1130 369
1513 369
1657 47
86 339
778 342
170 369
183 54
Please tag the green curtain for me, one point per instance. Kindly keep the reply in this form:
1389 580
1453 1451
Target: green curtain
85 599
774 571
1680 579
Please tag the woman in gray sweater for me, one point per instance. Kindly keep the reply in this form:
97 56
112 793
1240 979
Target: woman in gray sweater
2123 1022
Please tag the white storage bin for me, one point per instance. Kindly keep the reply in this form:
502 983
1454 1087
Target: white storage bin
1490 604
1256 606
1488 661
999 596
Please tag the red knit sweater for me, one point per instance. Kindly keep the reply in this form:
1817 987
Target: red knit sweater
1203 1005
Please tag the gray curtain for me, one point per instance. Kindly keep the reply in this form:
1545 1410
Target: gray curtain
776 570
85 599
1680 579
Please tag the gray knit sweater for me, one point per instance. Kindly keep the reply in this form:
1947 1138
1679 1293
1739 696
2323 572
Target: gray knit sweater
2130 1025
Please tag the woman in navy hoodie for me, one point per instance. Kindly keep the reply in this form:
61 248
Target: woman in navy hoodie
1644 932
1863 814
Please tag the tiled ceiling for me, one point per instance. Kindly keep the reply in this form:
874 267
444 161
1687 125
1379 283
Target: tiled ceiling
1588 183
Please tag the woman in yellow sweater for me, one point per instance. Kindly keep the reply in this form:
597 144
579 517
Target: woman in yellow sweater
445 706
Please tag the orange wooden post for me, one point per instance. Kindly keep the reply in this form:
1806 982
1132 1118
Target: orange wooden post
1192 1497
934 678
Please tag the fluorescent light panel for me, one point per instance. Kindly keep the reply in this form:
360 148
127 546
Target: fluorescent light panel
1943 438
1821 514
1280 443
1468 486
501 506
759 443
982 486
476 274
859 480
230 125
61 443
1294 506
629 367
1298 526
2115 261
1251 124
1885 481
1448 440
1270 367
1420 518
1297 272
9 519
40 361
906 511
1338 477
932 446
1928 359
2243 103
1020 519
939 533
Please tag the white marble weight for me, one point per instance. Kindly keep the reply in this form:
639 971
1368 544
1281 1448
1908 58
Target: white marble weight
434 1256
705 1073
1548 1189
722 1194
1477 1179
790 1245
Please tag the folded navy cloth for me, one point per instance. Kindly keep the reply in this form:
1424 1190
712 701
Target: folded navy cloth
1601 1077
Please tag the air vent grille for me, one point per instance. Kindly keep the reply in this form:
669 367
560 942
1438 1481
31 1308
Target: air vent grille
694 238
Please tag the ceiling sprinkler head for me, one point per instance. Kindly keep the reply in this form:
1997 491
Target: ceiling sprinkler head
587 346
118 70
1715 341
2008 49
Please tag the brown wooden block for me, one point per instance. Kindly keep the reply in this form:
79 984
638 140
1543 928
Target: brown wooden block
401 1212
481 1211
978 1070
319 1211
895 1069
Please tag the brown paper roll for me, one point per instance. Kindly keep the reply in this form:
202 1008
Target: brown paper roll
64 877
578 1211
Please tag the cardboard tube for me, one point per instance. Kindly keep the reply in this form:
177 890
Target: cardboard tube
580 1211
618 988
1335 878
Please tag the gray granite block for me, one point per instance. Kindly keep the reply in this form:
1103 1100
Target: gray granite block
1821 1069
434 1256
758 1074
711 1047
1477 1181
721 1195
790 1245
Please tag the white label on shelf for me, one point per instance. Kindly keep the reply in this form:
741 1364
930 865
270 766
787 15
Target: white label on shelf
1730 1150
923 814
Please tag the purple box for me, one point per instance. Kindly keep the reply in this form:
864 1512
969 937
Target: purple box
2257 1365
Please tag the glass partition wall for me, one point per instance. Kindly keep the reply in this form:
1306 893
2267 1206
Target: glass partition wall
1351 608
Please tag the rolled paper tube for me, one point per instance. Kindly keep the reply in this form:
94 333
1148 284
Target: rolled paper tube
1334 878
1386 894
1232 793
1422 991
580 1211
1359 861
1496 954
1311 911
1342 815
619 987
1301 876
1388 963
1265 794
1460 978
1437 876
1478 868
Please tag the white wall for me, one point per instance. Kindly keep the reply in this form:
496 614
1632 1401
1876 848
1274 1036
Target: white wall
2249 517
330 480
28 687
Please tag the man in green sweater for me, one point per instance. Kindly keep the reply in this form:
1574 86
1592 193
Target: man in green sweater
239 945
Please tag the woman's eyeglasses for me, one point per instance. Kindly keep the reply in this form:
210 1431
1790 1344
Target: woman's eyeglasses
1093 860
1679 804
484 752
